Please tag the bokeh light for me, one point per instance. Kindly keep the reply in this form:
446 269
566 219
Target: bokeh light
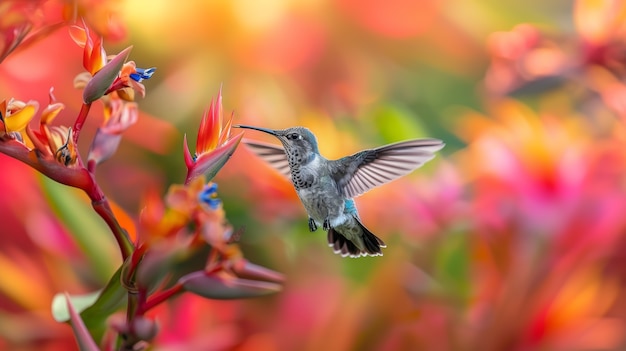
512 238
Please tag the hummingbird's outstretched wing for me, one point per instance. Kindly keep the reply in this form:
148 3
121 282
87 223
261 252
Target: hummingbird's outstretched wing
367 169
273 154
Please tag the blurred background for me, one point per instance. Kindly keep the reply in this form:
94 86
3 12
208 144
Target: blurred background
512 238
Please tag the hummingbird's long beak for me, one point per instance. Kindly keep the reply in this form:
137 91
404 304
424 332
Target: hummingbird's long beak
265 130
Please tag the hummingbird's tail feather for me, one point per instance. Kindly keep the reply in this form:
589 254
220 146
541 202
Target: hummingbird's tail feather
341 245
371 244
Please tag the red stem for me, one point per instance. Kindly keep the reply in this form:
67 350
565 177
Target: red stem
103 208
159 297
80 120
77 177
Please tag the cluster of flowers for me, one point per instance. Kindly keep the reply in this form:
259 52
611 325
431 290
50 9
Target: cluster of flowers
161 262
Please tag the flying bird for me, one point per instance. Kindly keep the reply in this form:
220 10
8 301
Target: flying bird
326 188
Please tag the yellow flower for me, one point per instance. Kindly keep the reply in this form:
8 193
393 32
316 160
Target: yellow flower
15 116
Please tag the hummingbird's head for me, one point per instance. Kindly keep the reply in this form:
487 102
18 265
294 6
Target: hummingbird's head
294 138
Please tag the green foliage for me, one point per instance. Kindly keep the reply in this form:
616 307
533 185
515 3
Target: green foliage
452 266
87 229
95 307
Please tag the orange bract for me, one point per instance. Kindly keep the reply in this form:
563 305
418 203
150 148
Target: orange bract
94 56
214 145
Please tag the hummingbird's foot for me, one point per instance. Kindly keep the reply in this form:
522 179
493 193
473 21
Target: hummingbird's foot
312 225
326 225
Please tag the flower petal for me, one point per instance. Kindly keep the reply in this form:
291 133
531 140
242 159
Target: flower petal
78 34
81 80
226 130
67 154
206 130
214 286
103 146
121 118
142 74
83 338
97 57
246 269
50 112
218 116
18 121
211 162
55 135
189 160
208 196
103 79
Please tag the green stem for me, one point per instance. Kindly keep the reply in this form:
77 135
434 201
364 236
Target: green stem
134 304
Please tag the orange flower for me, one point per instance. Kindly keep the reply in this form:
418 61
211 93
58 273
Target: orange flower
94 56
214 145
106 75
130 80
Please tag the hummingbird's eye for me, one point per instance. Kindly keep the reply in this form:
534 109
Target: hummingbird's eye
293 136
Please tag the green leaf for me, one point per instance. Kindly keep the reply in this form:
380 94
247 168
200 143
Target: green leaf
88 230
94 307
60 311
102 80
111 299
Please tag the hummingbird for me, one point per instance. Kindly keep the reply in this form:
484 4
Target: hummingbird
327 188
